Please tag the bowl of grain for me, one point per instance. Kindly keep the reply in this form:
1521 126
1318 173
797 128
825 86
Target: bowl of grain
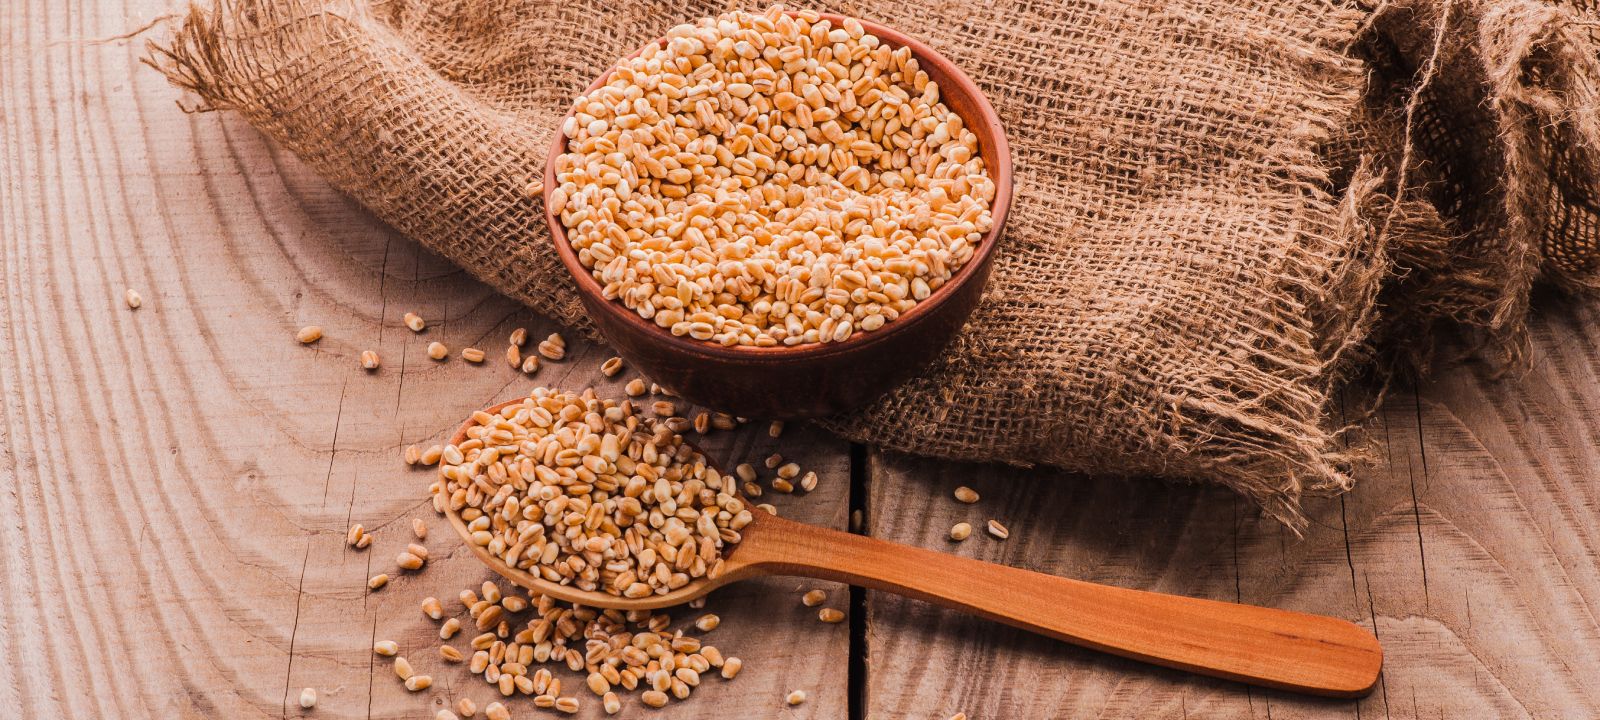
780 214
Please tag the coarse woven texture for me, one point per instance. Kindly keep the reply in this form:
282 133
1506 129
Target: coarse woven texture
1220 204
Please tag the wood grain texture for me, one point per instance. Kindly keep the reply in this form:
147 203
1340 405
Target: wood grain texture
1470 545
178 479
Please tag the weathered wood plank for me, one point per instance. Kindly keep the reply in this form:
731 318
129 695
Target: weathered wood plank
178 479
1471 543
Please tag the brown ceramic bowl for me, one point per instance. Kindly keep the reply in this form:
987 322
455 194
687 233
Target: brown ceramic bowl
821 378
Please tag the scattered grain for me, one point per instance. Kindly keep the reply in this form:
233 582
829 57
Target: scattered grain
418 683
308 698
419 529
774 460
308 334
814 597
553 347
808 482
514 357
496 711
466 707
567 705
472 355
438 350
369 360
731 667
611 703
449 629
415 322
960 531
611 367
998 530
707 622
386 648
789 470
402 667
795 697
530 364
432 608
775 429
966 494
634 388
450 654
830 615
445 714
412 455
408 561
654 698
378 581
132 298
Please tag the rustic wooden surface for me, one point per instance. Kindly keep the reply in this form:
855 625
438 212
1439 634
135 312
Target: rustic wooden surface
178 479
1470 546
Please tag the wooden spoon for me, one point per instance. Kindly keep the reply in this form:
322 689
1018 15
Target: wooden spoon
1273 648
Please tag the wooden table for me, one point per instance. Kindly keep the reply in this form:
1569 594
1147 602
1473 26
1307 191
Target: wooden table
178 479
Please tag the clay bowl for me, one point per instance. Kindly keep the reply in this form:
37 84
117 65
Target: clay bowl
817 379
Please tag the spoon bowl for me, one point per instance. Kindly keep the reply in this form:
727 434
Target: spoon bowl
1280 649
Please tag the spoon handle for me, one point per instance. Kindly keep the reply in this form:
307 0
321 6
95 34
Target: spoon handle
1262 646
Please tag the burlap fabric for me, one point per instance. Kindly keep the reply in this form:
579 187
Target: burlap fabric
1223 207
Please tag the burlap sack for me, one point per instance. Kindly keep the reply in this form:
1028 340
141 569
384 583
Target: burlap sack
1218 204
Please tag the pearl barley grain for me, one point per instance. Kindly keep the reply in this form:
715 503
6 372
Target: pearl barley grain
553 347
782 182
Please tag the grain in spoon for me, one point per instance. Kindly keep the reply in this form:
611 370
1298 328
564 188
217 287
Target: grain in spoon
1262 646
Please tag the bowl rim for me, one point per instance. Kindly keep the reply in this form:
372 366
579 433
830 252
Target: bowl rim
987 121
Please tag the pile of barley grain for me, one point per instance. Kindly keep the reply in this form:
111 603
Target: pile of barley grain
585 492
765 179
